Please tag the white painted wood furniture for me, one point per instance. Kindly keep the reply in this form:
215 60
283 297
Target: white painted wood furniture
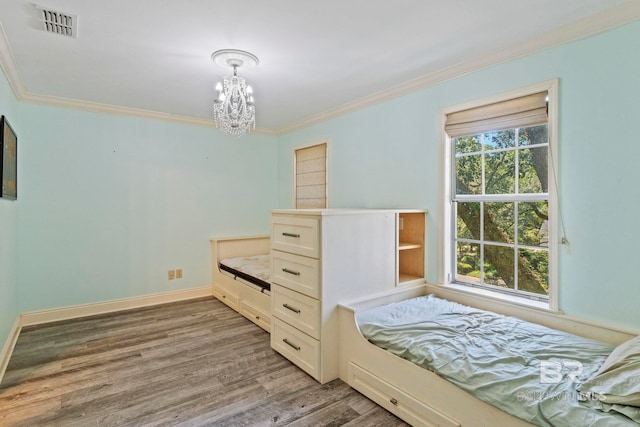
243 298
419 396
319 258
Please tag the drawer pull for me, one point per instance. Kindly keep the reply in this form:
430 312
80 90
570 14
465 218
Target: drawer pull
288 307
295 273
297 236
394 401
290 344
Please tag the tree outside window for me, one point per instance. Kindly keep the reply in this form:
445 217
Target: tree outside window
501 209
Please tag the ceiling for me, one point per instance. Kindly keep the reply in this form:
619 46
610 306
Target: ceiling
318 59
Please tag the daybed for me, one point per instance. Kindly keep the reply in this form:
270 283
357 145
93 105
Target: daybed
426 398
239 268
255 270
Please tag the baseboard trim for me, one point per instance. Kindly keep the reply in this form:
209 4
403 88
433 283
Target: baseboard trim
9 344
72 312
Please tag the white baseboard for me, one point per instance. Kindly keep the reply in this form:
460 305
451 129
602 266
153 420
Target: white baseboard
7 349
72 312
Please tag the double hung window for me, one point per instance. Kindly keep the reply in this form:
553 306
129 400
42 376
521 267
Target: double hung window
499 196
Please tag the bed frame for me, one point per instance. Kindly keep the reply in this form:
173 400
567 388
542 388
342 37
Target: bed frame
419 396
242 296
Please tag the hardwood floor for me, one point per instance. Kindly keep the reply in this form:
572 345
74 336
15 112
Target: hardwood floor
193 363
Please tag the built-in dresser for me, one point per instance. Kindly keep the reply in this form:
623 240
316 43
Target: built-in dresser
320 258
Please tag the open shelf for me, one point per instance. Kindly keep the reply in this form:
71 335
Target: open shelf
410 246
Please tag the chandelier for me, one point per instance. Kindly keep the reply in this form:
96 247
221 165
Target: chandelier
233 110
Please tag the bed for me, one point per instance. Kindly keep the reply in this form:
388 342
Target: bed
439 393
255 270
240 276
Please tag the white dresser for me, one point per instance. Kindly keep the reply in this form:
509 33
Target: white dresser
318 259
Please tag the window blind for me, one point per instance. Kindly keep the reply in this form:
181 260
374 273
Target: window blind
524 111
311 177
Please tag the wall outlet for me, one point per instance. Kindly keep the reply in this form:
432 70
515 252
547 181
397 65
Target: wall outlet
178 273
172 274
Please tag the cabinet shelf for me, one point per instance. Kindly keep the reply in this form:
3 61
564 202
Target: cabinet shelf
403 246
406 278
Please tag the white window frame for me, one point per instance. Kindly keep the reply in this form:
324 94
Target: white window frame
294 170
448 226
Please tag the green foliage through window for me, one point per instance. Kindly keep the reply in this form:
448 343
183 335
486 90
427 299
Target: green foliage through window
501 209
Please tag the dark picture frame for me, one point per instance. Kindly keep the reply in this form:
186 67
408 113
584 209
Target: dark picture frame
8 160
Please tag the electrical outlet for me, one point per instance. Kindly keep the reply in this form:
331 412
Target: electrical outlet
172 274
178 273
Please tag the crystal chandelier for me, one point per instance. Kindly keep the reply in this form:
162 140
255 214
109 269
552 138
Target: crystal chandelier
233 110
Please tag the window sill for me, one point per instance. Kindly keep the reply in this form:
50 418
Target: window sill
496 297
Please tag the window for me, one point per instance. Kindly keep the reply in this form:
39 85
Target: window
500 212
310 176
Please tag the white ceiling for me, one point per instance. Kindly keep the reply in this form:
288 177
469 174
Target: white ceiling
317 58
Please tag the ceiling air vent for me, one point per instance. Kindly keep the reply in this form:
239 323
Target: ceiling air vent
59 22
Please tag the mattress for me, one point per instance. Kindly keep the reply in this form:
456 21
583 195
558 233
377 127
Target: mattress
254 269
525 369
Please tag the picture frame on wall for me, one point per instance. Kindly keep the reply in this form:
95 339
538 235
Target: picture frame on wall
8 160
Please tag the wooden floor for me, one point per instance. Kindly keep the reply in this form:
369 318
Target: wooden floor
194 363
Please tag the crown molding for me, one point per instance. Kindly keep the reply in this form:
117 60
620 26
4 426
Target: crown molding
127 111
8 64
612 18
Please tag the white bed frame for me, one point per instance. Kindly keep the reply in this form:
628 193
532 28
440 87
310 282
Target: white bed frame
242 296
419 396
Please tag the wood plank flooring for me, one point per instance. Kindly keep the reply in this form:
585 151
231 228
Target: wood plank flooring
192 363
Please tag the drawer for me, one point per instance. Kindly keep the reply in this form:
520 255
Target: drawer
296 272
226 297
256 315
297 235
296 346
298 310
408 408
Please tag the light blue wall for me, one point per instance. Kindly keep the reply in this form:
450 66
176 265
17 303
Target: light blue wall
9 225
110 203
389 155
